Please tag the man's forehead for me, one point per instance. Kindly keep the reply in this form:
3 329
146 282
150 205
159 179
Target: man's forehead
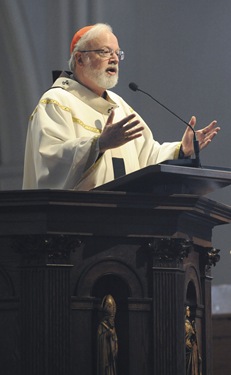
103 40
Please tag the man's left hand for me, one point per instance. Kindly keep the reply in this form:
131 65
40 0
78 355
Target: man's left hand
204 136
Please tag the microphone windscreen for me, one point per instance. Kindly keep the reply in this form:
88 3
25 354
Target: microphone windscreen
133 86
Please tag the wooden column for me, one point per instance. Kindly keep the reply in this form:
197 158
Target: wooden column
45 305
210 258
168 306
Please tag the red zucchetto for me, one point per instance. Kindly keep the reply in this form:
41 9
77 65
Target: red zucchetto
79 35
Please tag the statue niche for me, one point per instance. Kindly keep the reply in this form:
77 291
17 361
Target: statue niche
107 342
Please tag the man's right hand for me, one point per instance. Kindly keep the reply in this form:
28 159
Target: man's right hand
119 133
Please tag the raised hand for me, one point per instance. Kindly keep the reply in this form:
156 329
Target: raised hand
119 133
204 136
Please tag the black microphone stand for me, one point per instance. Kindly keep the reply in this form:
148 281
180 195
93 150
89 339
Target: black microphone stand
186 162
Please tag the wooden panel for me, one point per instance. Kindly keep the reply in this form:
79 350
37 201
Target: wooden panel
221 344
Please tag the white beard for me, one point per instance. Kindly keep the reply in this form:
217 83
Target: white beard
101 78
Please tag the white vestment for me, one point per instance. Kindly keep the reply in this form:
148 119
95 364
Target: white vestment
62 146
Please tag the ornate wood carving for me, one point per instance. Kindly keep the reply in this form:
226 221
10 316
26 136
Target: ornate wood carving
212 257
169 251
43 249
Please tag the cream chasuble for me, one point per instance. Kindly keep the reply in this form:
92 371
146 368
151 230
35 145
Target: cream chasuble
62 147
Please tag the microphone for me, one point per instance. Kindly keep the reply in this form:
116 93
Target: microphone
134 87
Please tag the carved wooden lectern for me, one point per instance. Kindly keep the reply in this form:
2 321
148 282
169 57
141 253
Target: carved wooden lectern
145 239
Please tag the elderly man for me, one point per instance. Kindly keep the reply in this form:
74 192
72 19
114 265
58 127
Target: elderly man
80 129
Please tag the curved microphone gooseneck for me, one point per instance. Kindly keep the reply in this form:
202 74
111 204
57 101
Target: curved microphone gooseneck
134 87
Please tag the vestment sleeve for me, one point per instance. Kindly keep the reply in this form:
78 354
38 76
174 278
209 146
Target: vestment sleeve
55 156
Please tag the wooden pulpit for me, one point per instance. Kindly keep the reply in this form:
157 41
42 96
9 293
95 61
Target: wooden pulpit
145 239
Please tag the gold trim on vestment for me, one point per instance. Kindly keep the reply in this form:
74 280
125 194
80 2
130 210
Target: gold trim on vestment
75 119
85 126
33 113
52 101
177 150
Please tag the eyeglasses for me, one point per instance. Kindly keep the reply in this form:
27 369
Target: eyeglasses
107 53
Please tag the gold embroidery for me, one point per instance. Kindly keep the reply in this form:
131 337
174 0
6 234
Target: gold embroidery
33 113
85 126
177 150
76 120
52 101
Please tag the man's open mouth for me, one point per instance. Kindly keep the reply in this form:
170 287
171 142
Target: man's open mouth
111 70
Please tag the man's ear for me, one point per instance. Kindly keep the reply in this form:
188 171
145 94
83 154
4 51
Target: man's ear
78 58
